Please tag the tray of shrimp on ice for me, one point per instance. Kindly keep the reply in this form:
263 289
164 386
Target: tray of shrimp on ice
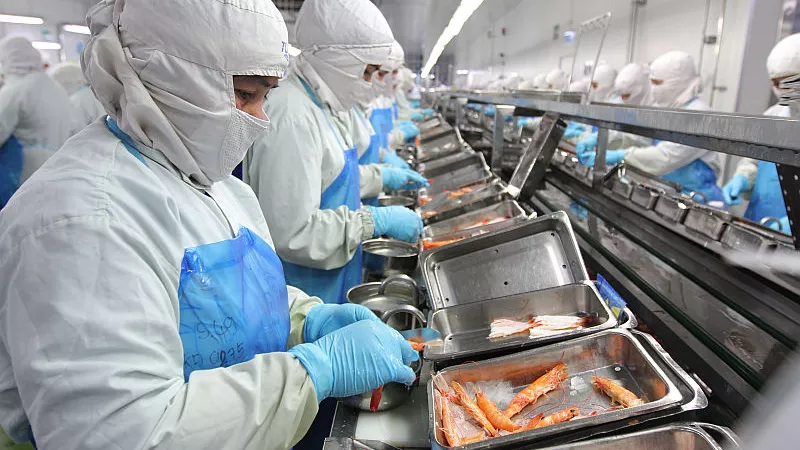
589 382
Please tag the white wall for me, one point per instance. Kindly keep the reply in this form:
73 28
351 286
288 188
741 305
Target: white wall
54 13
663 25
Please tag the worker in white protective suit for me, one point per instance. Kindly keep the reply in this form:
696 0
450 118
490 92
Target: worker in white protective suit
674 84
86 107
760 178
557 79
540 81
142 302
306 174
632 87
36 116
602 85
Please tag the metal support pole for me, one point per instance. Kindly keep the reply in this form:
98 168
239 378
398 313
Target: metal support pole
600 158
461 106
498 138
789 177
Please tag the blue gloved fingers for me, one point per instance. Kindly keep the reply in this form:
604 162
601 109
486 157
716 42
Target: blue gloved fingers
587 159
614 157
393 160
417 116
786 228
731 192
322 320
404 375
416 178
397 222
586 144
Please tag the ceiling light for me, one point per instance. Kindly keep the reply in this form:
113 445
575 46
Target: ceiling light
460 16
80 29
21 19
43 45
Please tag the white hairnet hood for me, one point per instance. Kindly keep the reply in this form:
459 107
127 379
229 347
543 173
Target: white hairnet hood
581 85
69 76
556 79
680 80
394 62
602 83
540 81
784 60
634 80
527 85
164 70
338 39
397 57
18 57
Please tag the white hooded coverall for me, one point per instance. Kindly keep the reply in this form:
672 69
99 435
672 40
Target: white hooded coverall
86 108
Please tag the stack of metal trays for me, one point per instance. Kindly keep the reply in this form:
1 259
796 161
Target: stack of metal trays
747 236
436 167
432 123
481 221
445 205
683 436
538 254
474 171
630 358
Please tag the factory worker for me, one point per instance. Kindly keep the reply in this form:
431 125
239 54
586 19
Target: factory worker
512 83
557 79
143 305
601 91
580 85
633 87
527 85
306 173
381 113
674 84
36 116
86 108
540 81
760 178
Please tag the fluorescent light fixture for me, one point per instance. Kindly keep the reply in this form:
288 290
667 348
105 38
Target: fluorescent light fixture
293 51
43 45
460 16
21 19
79 29
462 72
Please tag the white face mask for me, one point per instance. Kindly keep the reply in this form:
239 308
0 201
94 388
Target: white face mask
243 131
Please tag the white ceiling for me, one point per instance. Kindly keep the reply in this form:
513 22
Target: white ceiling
408 21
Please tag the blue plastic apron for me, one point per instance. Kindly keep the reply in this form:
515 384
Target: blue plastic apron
332 285
381 120
697 176
232 296
11 160
394 111
767 198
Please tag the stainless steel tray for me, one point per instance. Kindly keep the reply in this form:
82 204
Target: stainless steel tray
678 436
474 173
465 328
437 147
644 196
671 207
450 163
538 254
471 220
442 207
707 221
614 354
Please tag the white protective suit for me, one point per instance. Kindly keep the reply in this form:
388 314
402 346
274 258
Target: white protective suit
633 80
602 83
540 81
86 107
304 155
783 61
385 93
91 356
679 90
33 108
557 79
406 83
580 85
527 85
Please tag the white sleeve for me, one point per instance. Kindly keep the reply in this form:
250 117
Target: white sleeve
749 168
371 180
9 112
663 158
622 140
285 171
90 324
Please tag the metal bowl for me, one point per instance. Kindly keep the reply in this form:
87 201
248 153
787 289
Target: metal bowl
387 257
396 200
386 296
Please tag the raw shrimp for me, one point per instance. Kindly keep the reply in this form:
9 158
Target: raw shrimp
417 346
537 325
471 440
541 386
494 415
505 327
375 400
428 244
449 425
561 416
617 393
533 422
469 405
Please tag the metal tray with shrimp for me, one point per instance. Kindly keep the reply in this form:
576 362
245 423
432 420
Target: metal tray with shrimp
440 166
615 354
508 209
442 145
684 436
445 206
538 254
465 329
473 174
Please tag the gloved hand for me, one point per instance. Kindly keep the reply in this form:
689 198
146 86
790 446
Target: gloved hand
402 123
323 320
393 160
428 112
525 122
410 131
573 131
784 227
397 222
417 116
395 179
586 145
357 358
612 157
731 192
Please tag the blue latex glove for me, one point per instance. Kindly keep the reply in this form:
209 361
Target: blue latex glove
397 222
395 179
410 131
358 358
393 160
417 116
784 228
731 192
525 122
612 157
586 145
402 123
323 320
574 131
428 112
